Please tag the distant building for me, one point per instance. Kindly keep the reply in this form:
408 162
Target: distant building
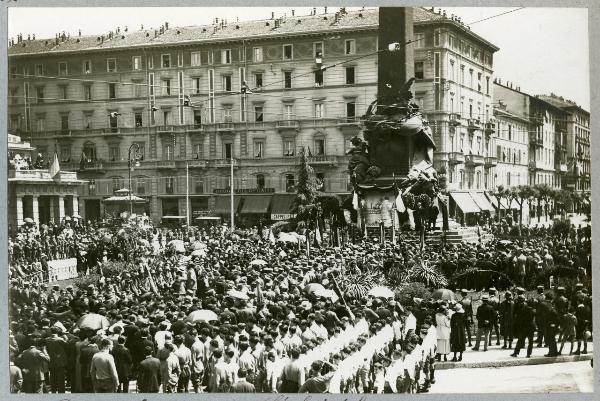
577 143
547 133
34 193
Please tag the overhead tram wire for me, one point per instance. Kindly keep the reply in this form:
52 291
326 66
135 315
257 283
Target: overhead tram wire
324 68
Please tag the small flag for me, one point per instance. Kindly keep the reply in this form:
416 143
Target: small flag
400 203
355 203
54 167
318 238
271 237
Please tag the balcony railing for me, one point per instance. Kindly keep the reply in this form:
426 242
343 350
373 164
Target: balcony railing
474 124
44 175
490 128
322 159
283 124
455 119
491 161
355 120
474 160
535 141
166 164
227 126
456 157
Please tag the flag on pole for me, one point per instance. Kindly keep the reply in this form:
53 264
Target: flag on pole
271 236
54 167
355 203
318 238
399 203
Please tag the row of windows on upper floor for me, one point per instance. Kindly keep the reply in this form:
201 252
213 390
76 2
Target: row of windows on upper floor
196 59
166 87
472 82
444 38
170 150
138 118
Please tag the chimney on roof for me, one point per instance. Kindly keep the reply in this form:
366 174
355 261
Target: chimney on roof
118 29
216 20
63 36
444 13
325 9
155 33
272 14
80 32
142 27
292 13
29 37
166 26
314 11
277 23
125 28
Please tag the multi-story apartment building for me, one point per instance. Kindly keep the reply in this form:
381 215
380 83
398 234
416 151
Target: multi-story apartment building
194 98
511 148
577 143
547 133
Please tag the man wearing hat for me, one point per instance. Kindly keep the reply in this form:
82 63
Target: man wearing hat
468 310
495 303
485 316
524 326
506 311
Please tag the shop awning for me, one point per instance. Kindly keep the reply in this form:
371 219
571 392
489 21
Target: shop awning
256 204
494 201
281 206
223 204
482 202
465 202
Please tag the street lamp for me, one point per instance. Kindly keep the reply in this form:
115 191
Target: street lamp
131 163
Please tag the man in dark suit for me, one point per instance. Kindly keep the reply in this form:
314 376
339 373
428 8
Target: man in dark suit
149 374
242 386
85 359
56 347
468 308
524 325
552 324
33 362
123 363
507 313
485 315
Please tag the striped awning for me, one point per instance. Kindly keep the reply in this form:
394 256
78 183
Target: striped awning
465 202
482 201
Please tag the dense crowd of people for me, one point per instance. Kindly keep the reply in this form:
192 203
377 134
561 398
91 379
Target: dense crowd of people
216 311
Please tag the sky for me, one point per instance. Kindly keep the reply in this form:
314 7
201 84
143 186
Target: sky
542 50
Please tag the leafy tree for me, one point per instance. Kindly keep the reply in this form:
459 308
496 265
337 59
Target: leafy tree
526 193
305 206
499 194
544 194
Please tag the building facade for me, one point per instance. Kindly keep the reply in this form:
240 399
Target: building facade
454 69
34 193
183 102
511 144
578 157
547 133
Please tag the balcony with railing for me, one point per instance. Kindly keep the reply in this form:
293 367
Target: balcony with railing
534 141
473 124
287 125
536 165
166 164
455 119
226 126
456 157
490 161
490 128
41 176
344 121
474 160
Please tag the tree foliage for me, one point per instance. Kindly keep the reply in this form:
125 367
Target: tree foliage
305 206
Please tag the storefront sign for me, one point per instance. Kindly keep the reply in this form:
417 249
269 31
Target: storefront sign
282 216
245 191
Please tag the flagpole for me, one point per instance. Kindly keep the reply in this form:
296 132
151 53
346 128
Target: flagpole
231 194
187 195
